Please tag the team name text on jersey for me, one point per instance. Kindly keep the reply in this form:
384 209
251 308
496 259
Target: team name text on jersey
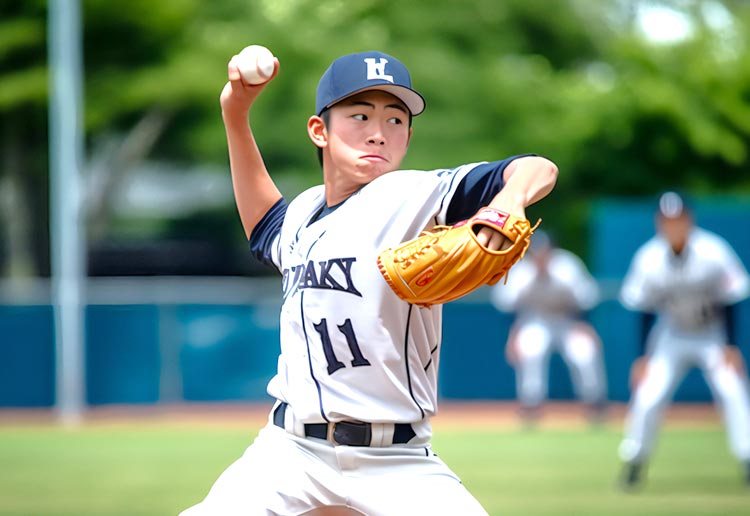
333 274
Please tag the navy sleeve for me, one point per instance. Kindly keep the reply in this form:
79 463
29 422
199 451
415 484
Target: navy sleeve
261 239
477 189
648 320
729 321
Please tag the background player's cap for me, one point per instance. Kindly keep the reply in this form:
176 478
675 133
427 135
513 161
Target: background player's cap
371 70
672 205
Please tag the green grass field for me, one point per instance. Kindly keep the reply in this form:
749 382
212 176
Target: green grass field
131 469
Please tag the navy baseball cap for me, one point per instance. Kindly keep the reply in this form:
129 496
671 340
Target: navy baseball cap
363 71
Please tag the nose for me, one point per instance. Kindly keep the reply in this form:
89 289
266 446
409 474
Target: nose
378 136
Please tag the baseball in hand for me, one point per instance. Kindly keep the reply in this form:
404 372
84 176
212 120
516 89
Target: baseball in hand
256 64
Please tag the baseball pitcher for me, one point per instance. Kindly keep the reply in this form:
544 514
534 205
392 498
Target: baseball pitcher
366 259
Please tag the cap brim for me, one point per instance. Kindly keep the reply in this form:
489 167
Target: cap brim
413 100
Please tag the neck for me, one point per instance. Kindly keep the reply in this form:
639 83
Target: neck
336 193
338 186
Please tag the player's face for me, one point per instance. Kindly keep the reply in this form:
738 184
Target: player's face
367 136
676 230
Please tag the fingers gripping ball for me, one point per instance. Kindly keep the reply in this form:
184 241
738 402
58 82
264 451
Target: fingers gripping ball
256 64
448 262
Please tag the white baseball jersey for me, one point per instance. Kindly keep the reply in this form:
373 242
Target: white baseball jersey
350 348
566 289
685 290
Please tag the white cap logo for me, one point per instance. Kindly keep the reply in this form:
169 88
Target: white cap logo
376 70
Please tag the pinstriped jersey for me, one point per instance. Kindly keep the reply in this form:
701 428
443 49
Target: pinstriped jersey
350 348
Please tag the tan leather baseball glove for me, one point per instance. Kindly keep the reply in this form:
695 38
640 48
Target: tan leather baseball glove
448 262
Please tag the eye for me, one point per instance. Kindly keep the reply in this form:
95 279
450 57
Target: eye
360 116
395 120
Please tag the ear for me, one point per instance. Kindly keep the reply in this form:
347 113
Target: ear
316 130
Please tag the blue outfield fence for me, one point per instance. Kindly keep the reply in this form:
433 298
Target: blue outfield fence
27 356
229 352
148 340
151 340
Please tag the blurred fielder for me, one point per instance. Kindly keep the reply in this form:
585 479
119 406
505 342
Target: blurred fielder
550 291
690 279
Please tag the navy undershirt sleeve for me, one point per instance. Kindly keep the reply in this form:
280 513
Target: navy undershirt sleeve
261 239
477 189
648 319
729 321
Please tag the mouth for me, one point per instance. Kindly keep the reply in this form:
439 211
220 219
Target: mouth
373 157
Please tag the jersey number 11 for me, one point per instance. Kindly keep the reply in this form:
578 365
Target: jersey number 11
351 339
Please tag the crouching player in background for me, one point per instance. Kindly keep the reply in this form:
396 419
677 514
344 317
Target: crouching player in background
550 291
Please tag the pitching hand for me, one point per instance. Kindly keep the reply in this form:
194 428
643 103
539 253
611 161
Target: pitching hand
237 95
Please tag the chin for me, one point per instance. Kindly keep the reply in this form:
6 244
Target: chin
374 171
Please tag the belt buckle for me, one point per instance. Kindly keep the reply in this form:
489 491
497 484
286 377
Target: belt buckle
330 434
358 434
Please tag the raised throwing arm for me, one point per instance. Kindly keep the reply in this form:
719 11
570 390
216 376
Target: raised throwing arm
254 190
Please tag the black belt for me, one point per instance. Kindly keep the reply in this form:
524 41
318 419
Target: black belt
345 432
